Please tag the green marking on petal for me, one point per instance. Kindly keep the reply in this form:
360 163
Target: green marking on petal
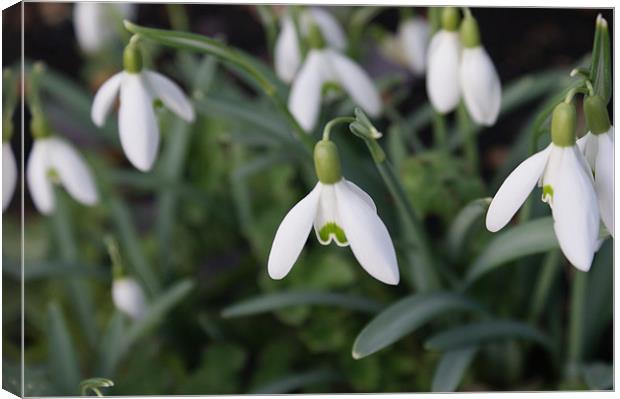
331 87
332 229
547 193
53 175
158 103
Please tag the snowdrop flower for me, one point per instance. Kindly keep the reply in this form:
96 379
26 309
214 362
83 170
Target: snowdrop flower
9 174
54 160
128 297
341 212
598 147
137 122
413 35
443 60
327 66
567 187
94 22
480 85
287 50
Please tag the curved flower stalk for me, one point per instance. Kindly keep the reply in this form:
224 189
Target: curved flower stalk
598 148
9 174
443 59
54 160
413 36
327 66
139 89
129 297
94 22
480 85
341 212
567 187
287 48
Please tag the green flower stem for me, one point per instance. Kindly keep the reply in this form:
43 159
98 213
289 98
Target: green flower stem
329 125
206 45
469 137
546 278
177 15
78 291
576 327
440 131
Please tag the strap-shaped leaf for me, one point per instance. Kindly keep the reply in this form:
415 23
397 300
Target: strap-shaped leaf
294 382
451 369
63 364
406 316
461 226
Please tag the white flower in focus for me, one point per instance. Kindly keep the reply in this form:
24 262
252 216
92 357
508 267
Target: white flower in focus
128 297
54 160
480 85
94 22
339 211
287 50
568 189
442 76
9 174
137 122
413 35
329 66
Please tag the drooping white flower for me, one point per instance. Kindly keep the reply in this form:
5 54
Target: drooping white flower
568 189
413 35
287 50
480 85
9 174
137 122
340 211
94 22
599 153
129 297
442 76
329 66
54 160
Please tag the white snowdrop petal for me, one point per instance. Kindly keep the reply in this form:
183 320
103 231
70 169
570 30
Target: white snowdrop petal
442 76
604 180
39 186
575 210
414 37
515 190
327 212
286 52
330 28
170 94
304 100
138 127
356 82
480 86
104 99
128 297
362 194
73 171
368 237
292 234
9 174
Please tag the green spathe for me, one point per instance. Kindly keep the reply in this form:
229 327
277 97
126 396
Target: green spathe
597 117
450 19
563 124
327 162
470 33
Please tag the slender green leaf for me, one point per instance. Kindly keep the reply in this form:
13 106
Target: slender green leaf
544 283
598 376
294 382
406 316
482 332
600 294
280 300
63 364
451 369
525 239
52 269
461 227
111 345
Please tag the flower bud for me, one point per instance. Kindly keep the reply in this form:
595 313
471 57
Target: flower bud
470 34
450 19
327 162
597 117
315 37
563 124
132 57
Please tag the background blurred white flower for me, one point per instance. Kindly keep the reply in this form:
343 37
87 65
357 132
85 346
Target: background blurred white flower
9 174
128 297
94 23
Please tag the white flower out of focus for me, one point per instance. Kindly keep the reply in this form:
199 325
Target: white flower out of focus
413 36
94 23
9 174
137 121
128 297
339 211
287 49
54 160
567 187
